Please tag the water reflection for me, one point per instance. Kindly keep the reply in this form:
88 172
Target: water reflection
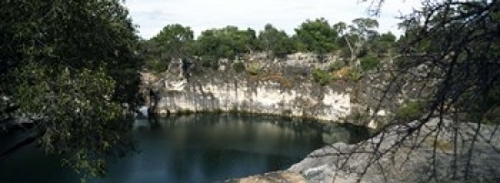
193 148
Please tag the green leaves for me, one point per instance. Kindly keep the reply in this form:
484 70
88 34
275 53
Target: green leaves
228 42
174 41
77 110
411 111
322 77
71 66
275 41
316 36
369 62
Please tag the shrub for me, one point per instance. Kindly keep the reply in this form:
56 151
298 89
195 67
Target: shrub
355 75
155 65
411 111
238 67
253 69
369 63
322 77
336 66
210 62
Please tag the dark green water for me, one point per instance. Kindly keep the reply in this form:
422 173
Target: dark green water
193 148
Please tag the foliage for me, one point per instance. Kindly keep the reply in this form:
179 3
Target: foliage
335 66
227 42
239 67
209 61
411 111
81 119
153 61
461 50
322 77
369 62
354 41
275 41
348 73
72 67
355 38
355 74
316 36
364 28
173 42
253 69
382 44
450 57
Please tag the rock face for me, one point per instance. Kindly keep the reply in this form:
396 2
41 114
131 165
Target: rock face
273 177
284 88
429 155
260 97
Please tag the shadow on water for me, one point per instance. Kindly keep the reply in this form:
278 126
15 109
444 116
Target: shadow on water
195 148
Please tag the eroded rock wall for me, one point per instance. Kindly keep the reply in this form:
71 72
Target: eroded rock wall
281 87
266 97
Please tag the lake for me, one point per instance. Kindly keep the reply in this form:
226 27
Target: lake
194 148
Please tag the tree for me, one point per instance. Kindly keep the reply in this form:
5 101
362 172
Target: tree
227 42
173 42
361 31
382 44
70 68
449 53
154 59
316 36
340 27
275 41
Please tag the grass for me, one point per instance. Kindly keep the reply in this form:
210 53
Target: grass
439 144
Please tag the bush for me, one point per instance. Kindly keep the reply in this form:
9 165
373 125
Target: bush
335 66
347 73
411 111
369 63
155 65
239 67
322 77
210 62
355 75
253 69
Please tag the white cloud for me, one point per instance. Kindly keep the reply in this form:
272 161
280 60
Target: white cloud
153 15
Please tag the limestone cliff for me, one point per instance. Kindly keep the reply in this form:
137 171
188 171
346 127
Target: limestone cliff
277 87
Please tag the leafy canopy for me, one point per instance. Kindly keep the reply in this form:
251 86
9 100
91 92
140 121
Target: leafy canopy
71 68
316 36
275 41
173 42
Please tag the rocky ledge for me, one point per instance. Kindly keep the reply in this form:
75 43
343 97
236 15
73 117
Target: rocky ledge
395 155
272 177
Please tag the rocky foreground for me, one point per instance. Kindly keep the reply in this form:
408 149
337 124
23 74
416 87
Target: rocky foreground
396 155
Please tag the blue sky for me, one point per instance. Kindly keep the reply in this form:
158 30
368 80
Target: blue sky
152 15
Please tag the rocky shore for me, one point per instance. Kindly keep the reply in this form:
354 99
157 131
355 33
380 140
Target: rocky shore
394 155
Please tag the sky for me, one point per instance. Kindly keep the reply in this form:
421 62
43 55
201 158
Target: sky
152 15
